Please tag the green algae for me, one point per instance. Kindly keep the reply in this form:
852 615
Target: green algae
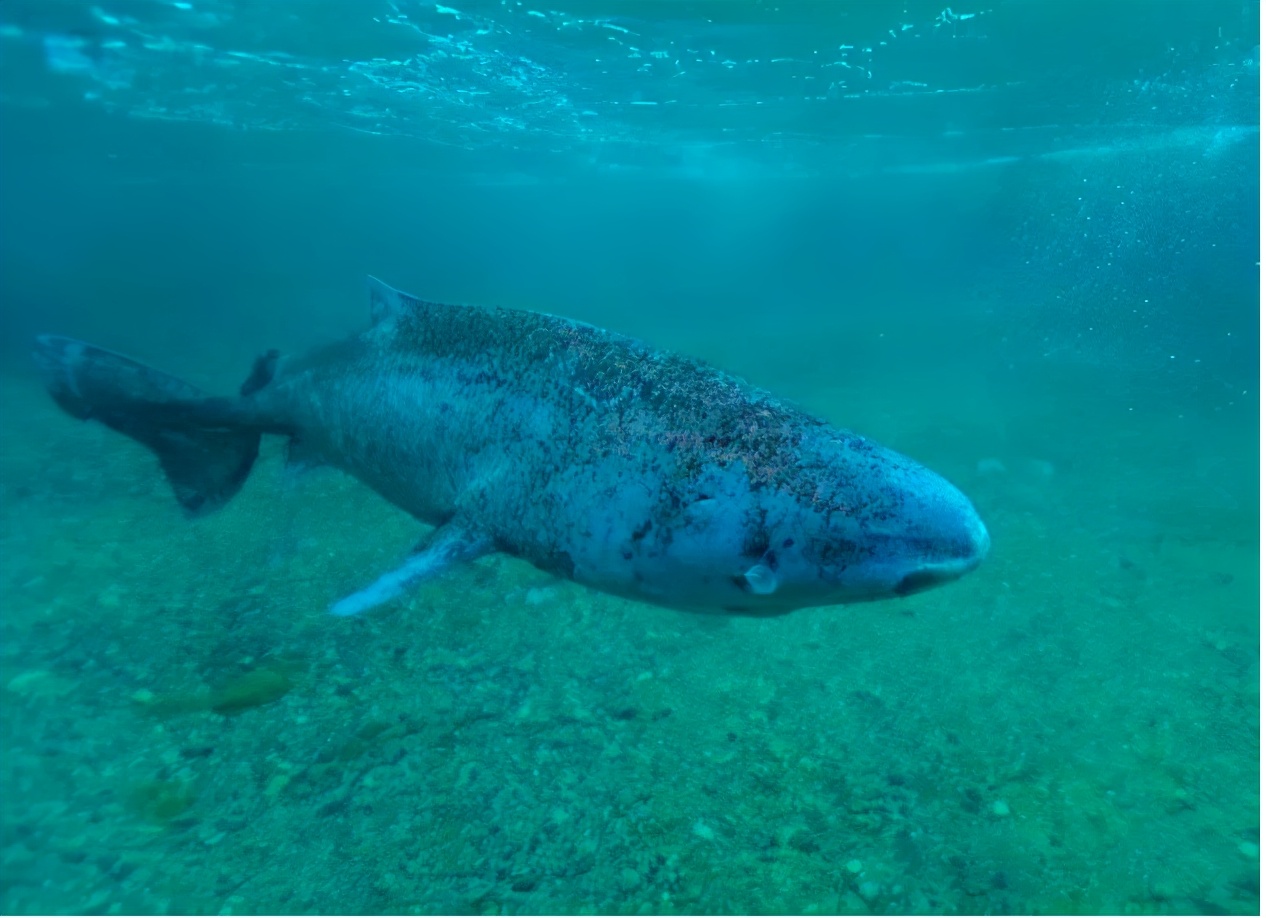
160 801
251 689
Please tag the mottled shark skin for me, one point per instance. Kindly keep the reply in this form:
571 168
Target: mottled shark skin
590 455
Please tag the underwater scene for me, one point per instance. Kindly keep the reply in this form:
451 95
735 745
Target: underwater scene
839 494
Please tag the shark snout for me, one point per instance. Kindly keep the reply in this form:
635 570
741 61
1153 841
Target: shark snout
964 543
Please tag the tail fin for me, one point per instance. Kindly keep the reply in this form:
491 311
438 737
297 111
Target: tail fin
206 446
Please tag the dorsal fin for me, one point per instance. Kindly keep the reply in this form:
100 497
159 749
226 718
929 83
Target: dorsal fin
386 301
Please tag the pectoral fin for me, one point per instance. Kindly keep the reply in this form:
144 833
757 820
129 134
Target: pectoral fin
447 546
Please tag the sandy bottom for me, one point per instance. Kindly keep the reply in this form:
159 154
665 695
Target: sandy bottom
1073 728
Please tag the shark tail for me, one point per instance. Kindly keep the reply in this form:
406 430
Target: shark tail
206 446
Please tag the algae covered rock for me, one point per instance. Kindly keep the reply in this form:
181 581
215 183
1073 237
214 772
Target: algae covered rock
251 689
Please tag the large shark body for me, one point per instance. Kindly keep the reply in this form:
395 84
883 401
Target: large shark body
588 454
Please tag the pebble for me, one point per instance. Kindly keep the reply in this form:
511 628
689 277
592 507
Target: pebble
1000 808
276 785
98 899
853 866
22 683
868 890
39 683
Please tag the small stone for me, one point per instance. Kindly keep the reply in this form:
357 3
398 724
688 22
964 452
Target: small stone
98 899
22 682
703 830
853 866
39 683
1000 808
276 785
1249 849
869 890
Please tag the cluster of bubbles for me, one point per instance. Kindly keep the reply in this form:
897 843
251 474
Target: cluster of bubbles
1147 244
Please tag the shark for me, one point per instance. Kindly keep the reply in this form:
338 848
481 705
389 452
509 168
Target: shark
632 470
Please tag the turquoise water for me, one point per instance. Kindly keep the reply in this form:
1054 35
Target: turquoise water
1018 243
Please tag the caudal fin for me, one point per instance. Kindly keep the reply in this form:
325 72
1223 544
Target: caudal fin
205 445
